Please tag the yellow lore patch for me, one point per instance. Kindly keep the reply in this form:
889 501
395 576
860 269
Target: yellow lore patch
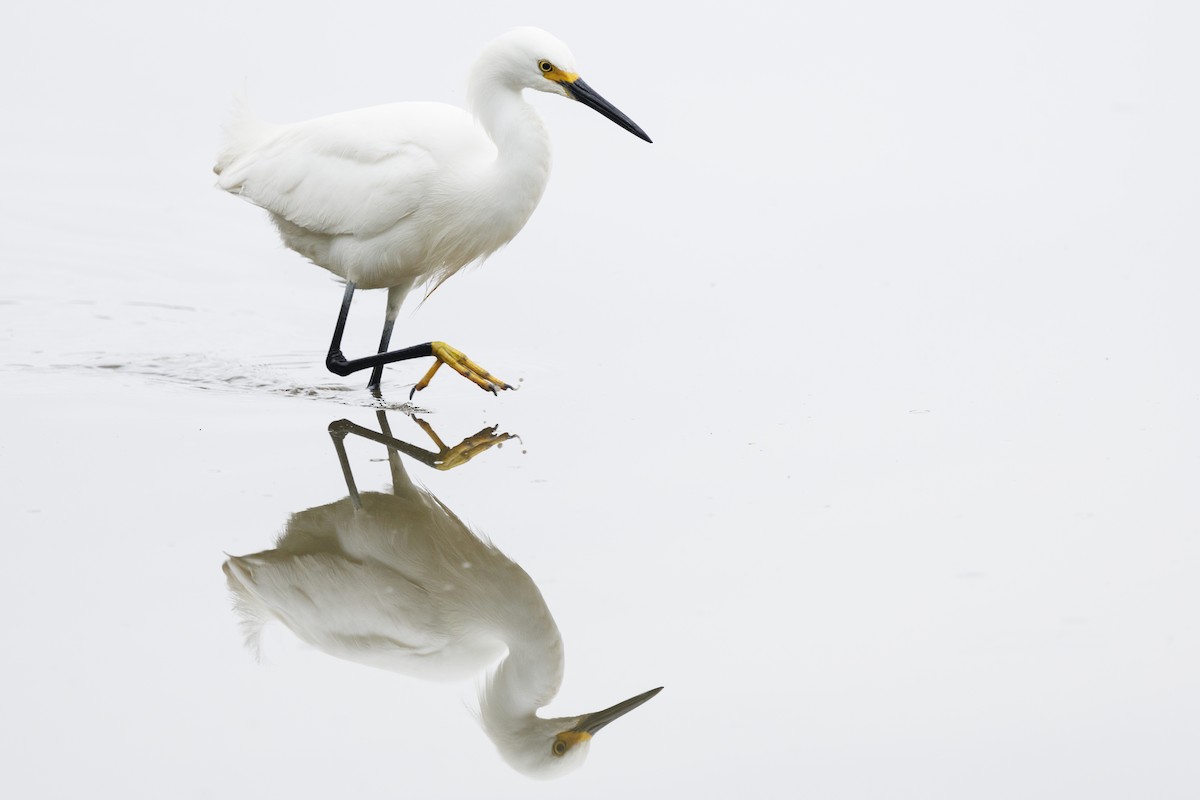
559 76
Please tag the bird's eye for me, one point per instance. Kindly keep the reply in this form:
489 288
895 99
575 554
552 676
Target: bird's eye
560 746
545 66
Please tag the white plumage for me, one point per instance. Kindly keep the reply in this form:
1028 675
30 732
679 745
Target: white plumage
407 194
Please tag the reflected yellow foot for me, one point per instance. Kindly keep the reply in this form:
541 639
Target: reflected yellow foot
458 361
464 451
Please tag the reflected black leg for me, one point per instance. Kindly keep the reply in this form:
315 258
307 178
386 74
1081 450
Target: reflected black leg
340 428
337 432
446 457
398 475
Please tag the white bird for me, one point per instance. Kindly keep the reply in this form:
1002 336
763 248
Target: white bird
403 195
397 581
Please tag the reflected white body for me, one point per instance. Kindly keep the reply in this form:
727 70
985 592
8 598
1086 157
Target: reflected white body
402 584
407 193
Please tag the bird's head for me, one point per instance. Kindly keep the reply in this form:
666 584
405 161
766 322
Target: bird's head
531 58
550 748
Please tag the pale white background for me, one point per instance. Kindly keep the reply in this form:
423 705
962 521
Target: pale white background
860 410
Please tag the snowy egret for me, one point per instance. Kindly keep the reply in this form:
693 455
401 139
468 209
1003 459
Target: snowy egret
397 581
404 195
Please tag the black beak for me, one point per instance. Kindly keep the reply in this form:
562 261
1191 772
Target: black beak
594 722
588 96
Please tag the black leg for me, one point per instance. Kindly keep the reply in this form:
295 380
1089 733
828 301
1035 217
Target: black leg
337 363
377 373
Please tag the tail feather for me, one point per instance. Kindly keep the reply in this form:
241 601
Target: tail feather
250 608
241 132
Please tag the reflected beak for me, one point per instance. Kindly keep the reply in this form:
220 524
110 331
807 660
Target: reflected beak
587 95
594 722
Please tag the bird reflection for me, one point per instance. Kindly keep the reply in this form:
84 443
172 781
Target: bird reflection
397 581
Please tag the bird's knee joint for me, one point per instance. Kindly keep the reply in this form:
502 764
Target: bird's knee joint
336 363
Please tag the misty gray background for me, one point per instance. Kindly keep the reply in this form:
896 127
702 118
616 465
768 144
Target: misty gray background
860 410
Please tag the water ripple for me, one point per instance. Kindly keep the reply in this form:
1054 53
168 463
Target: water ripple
281 375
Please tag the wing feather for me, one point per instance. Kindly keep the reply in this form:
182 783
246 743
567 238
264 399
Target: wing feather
357 173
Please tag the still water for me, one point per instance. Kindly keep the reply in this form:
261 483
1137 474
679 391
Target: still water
873 442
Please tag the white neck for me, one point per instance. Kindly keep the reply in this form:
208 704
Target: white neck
522 166
527 679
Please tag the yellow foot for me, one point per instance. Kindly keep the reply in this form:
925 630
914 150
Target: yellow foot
457 359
